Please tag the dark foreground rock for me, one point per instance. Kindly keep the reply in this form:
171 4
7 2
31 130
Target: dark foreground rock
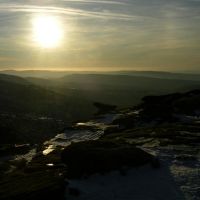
90 157
42 178
32 186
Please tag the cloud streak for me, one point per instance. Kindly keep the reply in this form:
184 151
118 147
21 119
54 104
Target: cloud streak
69 11
97 2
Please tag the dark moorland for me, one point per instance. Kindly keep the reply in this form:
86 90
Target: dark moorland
57 131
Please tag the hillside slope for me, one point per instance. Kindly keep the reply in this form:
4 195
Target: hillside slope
30 113
121 90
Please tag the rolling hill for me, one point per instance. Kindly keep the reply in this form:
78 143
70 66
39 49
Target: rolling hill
121 90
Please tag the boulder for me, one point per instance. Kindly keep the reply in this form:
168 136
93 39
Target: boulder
101 156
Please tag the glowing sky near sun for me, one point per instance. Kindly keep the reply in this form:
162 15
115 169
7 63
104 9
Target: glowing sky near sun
100 35
47 31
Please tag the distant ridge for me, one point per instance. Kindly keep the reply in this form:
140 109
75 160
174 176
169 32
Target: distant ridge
59 74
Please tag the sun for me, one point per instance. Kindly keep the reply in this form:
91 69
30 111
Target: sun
47 31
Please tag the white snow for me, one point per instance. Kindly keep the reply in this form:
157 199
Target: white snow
96 129
174 180
144 183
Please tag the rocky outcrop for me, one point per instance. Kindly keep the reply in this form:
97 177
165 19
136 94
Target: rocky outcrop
164 108
101 156
116 149
104 108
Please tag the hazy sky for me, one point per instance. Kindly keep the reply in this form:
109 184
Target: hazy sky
103 34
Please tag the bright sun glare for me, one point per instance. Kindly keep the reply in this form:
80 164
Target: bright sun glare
47 31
